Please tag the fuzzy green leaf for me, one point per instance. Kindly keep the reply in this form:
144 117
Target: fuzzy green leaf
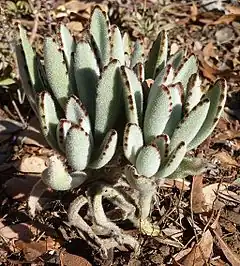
56 71
127 43
48 118
132 141
62 129
76 112
25 78
157 114
57 177
217 95
106 150
86 75
165 77
173 161
193 93
162 141
185 72
138 54
133 96
176 59
117 48
31 61
69 44
139 71
99 28
78 148
108 98
148 160
176 114
189 126
157 56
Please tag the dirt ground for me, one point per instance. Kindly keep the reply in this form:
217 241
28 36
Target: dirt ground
199 217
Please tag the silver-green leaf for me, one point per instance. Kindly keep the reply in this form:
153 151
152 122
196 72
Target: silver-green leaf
148 160
132 141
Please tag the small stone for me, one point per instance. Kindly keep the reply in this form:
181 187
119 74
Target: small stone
224 35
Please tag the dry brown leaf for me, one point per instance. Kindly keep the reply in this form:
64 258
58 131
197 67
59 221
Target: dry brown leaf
182 254
33 250
75 26
76 6
209 50
19 188
181 184
201 252
16 231
233 9
218 262
208 71
194 12
197 196
32 164
225 19
210 194
229 254
226 159
68 259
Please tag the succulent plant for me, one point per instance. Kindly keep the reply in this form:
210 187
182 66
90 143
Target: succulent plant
77 94
174 118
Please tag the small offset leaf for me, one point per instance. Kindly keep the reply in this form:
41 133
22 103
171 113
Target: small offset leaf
25 78
193 92
57 177
56 71
76 111
148 160
99 28
138 54
176 91
173 161
78 148
132 141
86 75
157 56
165 77
69 44
157 114
42 75
108 99
62 130
139 71
106 150
162 141
31 60
185 72
48 118
127 43
189 126
217 96
133 96
117 48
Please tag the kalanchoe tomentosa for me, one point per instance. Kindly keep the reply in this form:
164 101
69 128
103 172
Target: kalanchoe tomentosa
78 93
75 94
